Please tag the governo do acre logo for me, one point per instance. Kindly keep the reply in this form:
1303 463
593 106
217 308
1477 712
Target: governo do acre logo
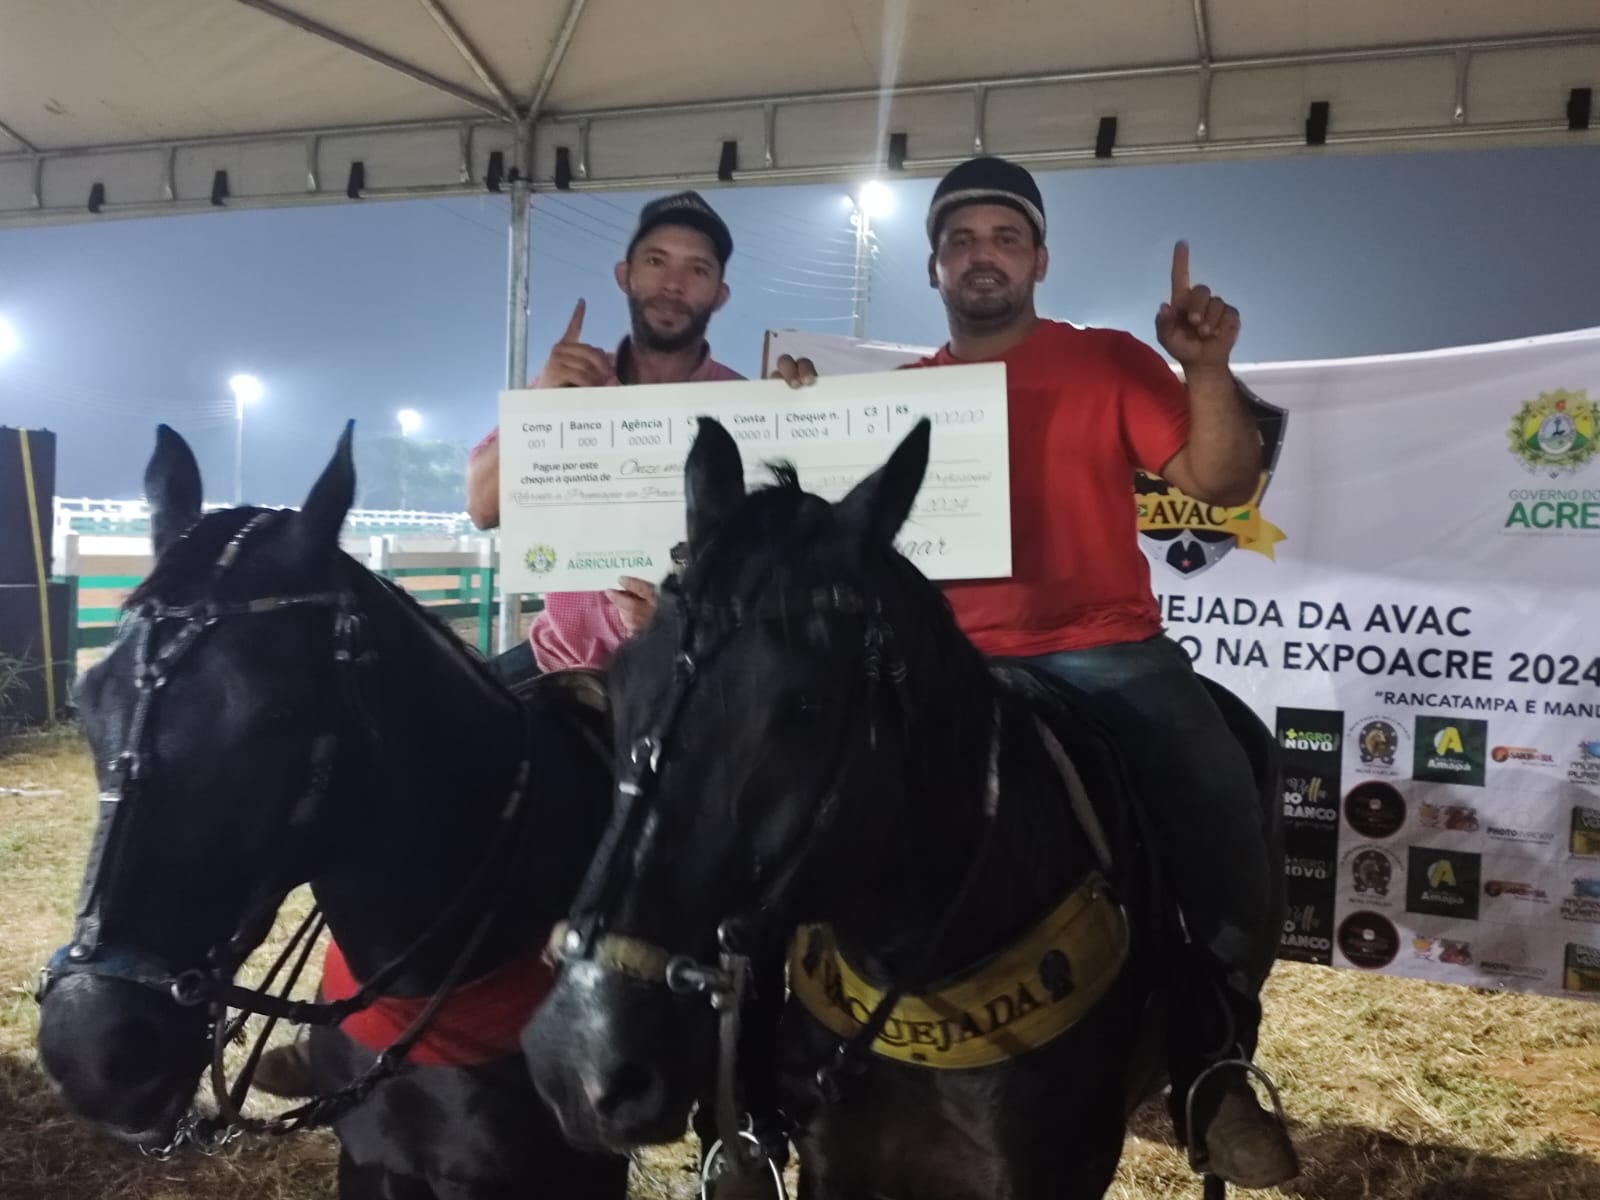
1556 435
541 559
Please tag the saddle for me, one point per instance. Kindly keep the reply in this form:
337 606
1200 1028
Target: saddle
576 695
1075 720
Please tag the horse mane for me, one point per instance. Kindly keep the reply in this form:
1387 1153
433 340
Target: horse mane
785 477
180 571
779 519
199 545
467 653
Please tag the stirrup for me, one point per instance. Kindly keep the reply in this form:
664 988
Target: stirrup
716 1166
1199 1160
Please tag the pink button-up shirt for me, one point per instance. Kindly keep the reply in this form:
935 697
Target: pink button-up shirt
583 629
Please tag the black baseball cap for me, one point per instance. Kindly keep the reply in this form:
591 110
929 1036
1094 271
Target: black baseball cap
690 210
986 180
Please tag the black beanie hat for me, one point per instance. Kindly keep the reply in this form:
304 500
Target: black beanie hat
986 181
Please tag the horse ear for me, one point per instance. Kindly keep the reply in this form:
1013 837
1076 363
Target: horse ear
331 496
713 481
172 486
879 505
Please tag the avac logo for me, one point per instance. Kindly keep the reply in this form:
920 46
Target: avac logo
1189 537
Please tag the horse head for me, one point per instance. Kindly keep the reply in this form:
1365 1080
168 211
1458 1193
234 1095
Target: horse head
214 721
763 724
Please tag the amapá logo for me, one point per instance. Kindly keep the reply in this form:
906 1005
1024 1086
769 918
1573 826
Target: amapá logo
1443 883
1190 537
1450 750
1555 434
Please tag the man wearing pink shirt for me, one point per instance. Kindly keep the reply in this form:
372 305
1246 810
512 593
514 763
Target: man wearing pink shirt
673 277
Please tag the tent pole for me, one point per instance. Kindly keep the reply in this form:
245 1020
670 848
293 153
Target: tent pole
517 326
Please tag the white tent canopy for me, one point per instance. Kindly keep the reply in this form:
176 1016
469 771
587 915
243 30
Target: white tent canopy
115 108
137 107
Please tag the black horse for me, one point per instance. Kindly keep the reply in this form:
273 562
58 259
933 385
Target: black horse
810 746
272 713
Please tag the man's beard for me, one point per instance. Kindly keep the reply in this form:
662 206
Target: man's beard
645 335
989 307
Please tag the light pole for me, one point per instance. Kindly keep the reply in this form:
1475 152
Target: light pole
873 200
410 421
246 391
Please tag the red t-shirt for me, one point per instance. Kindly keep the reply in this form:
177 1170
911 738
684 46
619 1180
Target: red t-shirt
1085 408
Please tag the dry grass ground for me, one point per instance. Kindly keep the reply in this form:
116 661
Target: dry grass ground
1398 1089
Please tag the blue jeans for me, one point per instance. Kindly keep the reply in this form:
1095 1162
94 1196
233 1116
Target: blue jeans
1195 782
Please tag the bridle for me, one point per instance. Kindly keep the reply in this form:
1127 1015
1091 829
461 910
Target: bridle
211 981
587 938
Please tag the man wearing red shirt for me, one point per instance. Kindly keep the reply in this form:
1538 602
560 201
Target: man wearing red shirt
1086 407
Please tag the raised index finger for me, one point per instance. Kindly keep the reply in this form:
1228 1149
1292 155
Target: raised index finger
1180 272
575 325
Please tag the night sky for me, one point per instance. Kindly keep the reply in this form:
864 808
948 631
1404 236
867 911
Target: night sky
362 309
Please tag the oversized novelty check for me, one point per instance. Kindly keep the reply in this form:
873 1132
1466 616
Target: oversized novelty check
591 479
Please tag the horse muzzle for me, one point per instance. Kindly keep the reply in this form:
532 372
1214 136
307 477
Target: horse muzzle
617 1060
122 1054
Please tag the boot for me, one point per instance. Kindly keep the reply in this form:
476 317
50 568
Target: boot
1239 1141
1214 1024
285 1071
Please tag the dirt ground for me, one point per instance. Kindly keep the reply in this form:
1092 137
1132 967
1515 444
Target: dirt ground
1398 1090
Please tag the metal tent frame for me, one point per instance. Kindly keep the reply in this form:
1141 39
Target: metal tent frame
152 109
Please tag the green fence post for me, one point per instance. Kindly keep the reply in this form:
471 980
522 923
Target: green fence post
485 610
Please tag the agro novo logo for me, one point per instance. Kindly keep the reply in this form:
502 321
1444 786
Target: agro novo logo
1189 537
1317 740
1308 868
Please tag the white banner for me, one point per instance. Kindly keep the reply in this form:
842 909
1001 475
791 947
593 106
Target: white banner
1410 605
591 479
